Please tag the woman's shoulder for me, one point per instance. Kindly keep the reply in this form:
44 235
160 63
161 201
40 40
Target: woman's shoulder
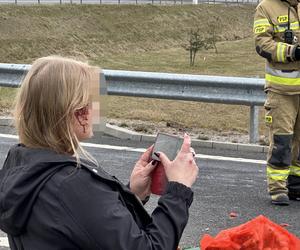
85 177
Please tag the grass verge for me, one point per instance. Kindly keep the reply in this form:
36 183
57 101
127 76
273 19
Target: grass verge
143 38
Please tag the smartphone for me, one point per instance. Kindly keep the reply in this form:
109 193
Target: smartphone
168 144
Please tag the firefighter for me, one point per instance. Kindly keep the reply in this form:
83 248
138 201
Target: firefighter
277 39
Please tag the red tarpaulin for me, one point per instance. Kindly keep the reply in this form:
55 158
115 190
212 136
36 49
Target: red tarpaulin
257 234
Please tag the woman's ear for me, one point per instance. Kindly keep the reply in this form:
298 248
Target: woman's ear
83 123
81 115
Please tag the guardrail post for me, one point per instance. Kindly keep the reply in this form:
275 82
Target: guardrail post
254 121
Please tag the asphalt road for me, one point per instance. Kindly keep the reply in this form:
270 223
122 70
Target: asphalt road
229 182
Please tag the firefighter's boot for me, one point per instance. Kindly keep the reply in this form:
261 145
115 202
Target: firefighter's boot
278 191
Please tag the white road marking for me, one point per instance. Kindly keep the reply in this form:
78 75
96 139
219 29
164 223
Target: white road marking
4 242
131 149
234 159
9 136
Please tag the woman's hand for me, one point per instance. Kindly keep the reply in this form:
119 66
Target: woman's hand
140 179
184 168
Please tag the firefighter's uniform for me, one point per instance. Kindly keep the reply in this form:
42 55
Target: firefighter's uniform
272 19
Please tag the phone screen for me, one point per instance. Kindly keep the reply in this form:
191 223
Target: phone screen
168 144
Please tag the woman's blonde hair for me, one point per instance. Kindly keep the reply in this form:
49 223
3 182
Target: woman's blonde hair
53 89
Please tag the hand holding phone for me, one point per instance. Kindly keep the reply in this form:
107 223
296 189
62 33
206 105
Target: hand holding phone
170 145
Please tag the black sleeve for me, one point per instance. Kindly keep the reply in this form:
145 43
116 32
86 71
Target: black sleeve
100 215
147 198
297 53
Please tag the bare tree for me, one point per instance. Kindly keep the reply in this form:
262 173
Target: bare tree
212 42
213 28
194 44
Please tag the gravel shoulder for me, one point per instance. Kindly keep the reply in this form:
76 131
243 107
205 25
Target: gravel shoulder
196 133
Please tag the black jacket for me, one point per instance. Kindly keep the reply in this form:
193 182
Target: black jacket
46 202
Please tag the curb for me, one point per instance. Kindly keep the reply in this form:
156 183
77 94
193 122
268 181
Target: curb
125 134
5 121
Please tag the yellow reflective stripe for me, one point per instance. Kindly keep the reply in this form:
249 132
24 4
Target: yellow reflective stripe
281 51
295 170
278 52
295 26
276 174
280 28
261 22
281 48
260 25
283 80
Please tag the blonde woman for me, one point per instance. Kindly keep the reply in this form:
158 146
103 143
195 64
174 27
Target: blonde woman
52 193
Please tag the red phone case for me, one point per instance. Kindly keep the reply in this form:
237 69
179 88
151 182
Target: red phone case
159 180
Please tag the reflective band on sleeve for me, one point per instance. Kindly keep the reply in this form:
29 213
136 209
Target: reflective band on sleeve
282 80
278 28
281 49
295 26
261 22
295 170
282 28
276 174
260 25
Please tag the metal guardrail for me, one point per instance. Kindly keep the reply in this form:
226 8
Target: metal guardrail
202 88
